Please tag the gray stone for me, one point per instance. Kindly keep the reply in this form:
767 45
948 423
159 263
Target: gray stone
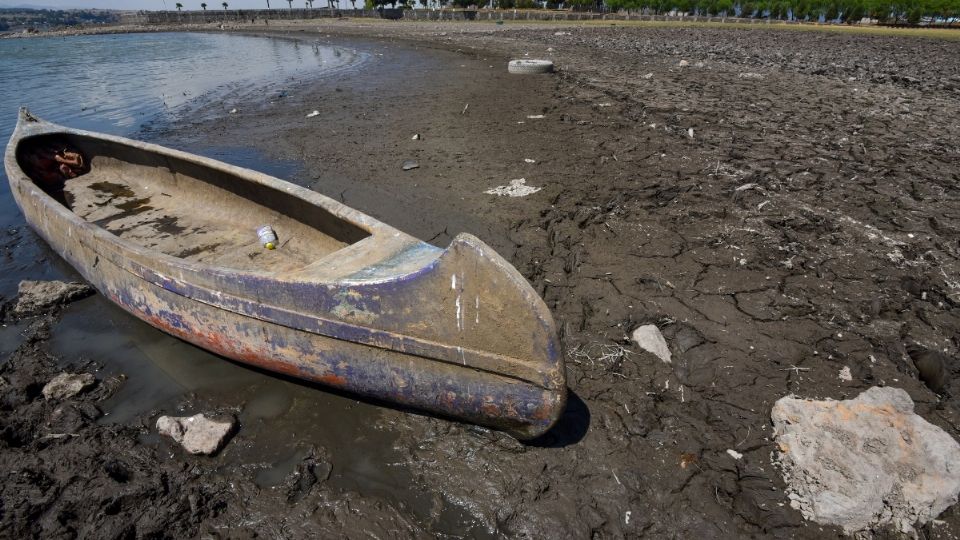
409 165
36 297
865 462
66 385
197 434
649 338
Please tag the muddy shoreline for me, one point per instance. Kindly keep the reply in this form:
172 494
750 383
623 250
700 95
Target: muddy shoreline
783 206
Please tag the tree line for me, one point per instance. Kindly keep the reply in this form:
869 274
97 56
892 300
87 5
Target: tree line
847 11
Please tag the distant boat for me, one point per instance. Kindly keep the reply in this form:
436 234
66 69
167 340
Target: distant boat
344 300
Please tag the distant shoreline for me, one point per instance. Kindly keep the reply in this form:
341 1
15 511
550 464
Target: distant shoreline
351 23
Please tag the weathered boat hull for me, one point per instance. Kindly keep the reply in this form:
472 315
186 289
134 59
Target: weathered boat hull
231 314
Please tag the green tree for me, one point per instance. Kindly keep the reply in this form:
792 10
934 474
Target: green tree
203 6
915 15
179 6
225 6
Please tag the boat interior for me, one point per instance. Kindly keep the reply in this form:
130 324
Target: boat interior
181 208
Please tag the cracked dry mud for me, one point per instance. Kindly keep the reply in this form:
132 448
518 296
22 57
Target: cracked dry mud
844 249
841 251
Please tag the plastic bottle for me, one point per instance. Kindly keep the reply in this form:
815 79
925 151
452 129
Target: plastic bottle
268 238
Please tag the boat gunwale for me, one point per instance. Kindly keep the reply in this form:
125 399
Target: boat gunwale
377 230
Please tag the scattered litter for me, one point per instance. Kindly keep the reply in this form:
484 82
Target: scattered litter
684 63
845 375
268 237
66 385
197 434
734 454
690 133
561 33
649 338
410 164
604 104
750 75
761 205
416 137
314 113
528 160
648 76
535 116
865 462
465 107
516 188
233 111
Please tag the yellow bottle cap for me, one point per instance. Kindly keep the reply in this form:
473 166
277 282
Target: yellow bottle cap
269 245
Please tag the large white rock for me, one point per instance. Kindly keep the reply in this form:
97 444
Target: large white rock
66 385
865 462
649 338
197 434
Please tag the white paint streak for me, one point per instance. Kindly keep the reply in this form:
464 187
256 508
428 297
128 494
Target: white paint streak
453 282
477 317
459 310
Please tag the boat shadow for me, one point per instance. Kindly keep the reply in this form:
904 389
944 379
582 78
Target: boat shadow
570 429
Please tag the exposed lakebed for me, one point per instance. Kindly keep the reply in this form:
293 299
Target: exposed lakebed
143 86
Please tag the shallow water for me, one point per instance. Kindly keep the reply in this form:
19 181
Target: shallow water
123 85
113 83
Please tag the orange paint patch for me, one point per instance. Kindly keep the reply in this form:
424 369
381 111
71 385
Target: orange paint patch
333 380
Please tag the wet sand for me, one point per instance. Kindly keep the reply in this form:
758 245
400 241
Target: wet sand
782 207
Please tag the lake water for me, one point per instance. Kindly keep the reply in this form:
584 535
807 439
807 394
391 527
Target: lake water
118 84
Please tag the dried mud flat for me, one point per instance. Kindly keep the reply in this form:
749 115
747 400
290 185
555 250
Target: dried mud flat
783 207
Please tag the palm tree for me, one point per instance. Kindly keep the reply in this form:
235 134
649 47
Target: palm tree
354 3
203 6
268 4
290 2
179 6
311 3
224 6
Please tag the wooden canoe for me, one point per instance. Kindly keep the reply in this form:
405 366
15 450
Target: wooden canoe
344 300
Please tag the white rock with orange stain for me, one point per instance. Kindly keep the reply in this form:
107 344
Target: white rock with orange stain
865 462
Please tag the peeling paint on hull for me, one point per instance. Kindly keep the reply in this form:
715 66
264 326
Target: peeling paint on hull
395 331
